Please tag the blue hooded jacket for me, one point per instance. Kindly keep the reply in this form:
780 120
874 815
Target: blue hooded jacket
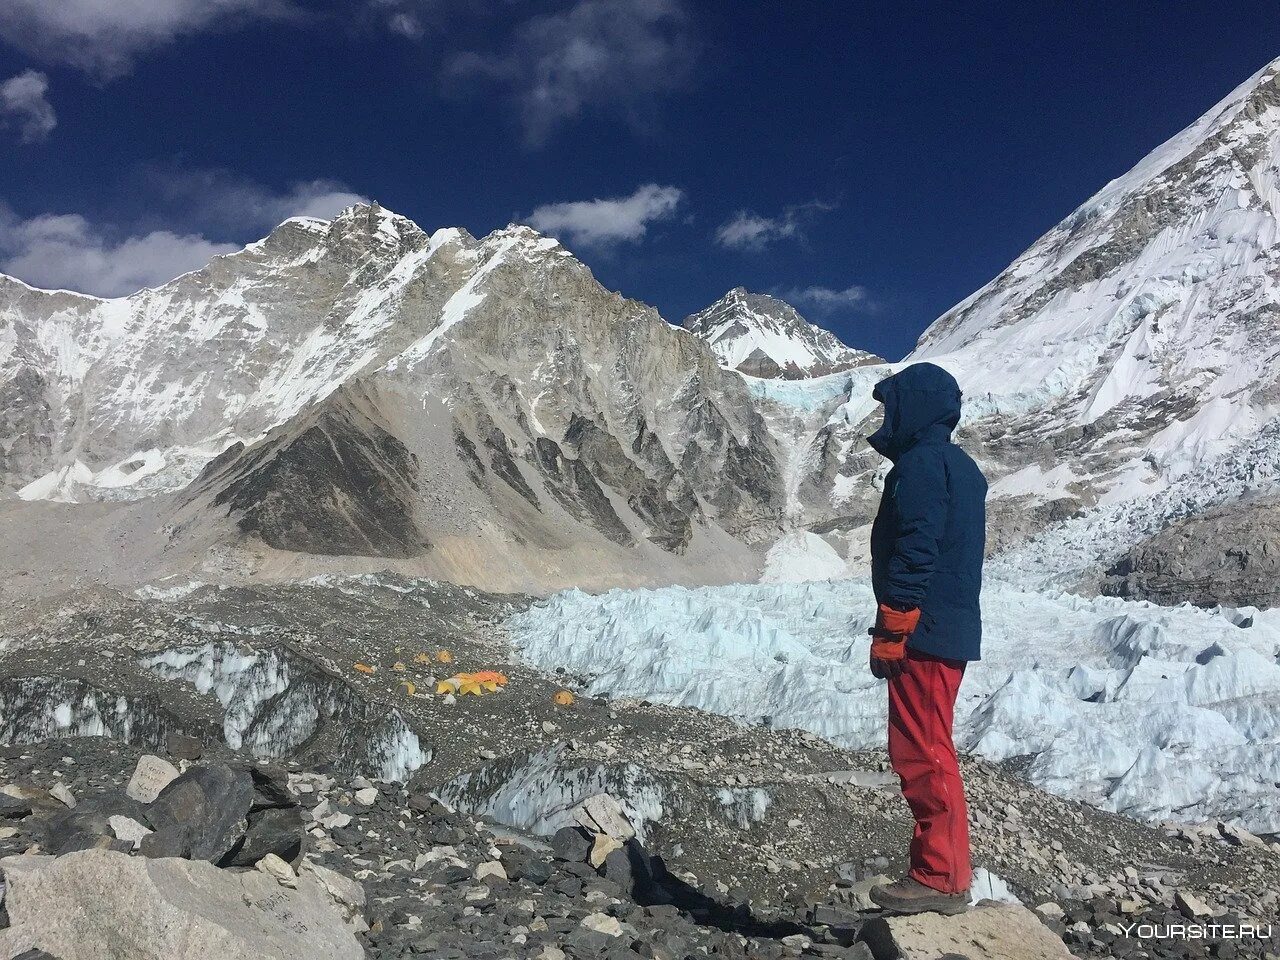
929 535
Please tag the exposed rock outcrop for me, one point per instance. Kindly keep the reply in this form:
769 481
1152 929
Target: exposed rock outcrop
103 905
1228 555
991 931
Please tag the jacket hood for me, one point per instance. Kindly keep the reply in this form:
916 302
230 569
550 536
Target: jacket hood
920 401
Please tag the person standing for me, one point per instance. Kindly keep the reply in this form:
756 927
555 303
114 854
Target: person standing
927 545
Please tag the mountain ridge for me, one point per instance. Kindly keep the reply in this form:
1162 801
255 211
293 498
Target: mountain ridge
764 336
481 410
1123 355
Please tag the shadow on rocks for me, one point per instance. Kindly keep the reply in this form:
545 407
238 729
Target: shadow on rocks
645 879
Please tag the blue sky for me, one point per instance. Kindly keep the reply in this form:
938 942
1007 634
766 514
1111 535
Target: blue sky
874 162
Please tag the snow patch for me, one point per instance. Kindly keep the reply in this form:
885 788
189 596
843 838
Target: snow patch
802 556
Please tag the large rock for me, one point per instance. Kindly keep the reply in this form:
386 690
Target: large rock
602 814
345 894
276 830
150 776
572 844
991 931
100 905
1228 554
89 824
210 805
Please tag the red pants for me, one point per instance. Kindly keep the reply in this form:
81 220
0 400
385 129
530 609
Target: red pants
921 707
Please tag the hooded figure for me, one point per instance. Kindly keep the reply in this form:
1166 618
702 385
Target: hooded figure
929 535
927 544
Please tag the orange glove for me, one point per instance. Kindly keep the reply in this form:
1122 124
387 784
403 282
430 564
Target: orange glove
889 640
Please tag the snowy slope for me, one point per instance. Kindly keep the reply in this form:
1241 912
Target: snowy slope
1122 373
1138 338
1078 550
763 336
142 391
1153 712
483 410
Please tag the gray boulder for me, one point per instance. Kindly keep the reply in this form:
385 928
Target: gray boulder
571 844
100 905
990 931
1226 555
230 816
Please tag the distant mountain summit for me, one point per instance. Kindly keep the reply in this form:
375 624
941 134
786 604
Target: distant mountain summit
763 336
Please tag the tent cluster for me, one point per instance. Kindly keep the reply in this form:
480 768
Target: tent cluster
478 684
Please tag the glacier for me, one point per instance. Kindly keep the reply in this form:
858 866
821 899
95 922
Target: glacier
276 702
539 791
1154 712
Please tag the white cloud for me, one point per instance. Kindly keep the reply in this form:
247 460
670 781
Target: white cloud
405 24
407 18
601 223
746 230
614 55
102 37
221 199
750 231
829 299
66 251
24 104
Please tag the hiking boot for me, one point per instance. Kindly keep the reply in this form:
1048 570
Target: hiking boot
912 896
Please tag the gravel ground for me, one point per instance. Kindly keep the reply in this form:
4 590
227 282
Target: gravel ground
828 820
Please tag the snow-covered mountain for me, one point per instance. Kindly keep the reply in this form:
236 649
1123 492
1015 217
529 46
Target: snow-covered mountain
1112 367
367 389
763 336
1120 376
1137 340
134 395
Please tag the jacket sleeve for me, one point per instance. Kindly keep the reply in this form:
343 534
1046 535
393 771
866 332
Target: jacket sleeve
920 502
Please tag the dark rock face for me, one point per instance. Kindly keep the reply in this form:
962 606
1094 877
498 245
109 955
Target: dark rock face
342 486
654 491
211 804
26 426
576 489
1225 555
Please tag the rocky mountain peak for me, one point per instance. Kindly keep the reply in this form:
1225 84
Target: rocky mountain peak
763 336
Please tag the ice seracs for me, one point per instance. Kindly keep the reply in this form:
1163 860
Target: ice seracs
1155 712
